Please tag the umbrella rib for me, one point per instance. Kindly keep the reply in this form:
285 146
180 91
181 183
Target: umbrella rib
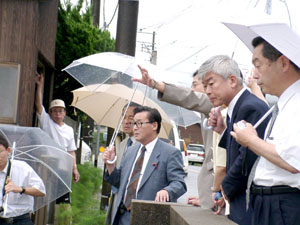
44 164
39 146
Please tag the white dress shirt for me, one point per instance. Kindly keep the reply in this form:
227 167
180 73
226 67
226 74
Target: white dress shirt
285 135
149 149
233 102
21 175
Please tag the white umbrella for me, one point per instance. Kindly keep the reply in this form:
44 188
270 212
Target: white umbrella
279 35
117 68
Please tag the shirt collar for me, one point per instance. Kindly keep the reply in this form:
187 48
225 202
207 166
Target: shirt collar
5 168
287 94
234 101
150 145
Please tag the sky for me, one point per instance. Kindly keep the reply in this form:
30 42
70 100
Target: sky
188 32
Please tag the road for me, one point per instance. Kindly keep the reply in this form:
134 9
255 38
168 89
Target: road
191 183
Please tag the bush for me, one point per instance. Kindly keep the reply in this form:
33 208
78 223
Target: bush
85 199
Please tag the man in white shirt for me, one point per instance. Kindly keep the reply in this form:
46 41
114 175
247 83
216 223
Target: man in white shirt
53 124
275 188
152 170
20 188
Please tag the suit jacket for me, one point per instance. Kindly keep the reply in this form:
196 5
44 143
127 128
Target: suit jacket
239 160
199 102
121 147
164 170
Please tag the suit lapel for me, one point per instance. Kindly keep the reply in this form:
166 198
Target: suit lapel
234 118
237 106
152 163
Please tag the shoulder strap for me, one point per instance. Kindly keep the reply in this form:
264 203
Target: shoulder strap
7 176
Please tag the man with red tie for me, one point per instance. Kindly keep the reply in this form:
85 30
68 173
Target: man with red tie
151 170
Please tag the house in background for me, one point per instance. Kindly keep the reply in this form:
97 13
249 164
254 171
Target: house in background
27 44
192 134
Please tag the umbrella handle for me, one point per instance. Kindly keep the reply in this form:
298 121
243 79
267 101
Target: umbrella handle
115 159
206 127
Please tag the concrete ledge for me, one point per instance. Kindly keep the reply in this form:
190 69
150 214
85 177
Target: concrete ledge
159 213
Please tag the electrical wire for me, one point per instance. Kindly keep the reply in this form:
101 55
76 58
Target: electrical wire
113 16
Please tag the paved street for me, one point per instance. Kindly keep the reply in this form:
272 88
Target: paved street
191 183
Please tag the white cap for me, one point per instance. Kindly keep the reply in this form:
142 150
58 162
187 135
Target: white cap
57 103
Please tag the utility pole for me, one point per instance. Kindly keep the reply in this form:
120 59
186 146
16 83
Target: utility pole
127 26
96 12
154 52
125 43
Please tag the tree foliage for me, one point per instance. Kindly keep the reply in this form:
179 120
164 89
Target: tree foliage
76 38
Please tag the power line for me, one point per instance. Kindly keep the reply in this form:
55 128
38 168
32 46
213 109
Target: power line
176 64
105 26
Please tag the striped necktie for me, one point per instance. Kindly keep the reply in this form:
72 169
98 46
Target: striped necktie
252 172
134 179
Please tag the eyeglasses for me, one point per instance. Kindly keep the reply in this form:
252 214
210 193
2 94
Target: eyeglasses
57 110
138 123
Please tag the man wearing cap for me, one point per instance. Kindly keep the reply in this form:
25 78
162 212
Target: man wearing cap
275 193
19 189
53 124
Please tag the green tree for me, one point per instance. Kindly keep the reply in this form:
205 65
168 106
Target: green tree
76 38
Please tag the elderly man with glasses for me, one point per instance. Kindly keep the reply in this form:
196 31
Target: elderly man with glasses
151 170
53 124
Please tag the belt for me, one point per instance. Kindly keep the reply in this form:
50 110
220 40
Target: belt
15 219
281 189
123 208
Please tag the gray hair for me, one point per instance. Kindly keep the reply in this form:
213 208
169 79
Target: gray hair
222 65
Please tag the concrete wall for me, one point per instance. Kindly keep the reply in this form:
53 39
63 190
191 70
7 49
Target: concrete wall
158 213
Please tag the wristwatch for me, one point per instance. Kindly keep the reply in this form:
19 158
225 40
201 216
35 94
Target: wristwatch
23 190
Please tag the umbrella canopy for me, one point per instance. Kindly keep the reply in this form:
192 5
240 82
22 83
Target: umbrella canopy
279 35
104 103
117 68
52 163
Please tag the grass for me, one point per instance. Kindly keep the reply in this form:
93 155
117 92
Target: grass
85 200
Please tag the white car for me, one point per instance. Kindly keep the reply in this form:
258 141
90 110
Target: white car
195 153
184 156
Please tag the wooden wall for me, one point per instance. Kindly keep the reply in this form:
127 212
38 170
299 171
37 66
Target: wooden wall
27 34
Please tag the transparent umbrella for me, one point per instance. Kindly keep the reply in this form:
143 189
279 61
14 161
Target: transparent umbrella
117 68
48 159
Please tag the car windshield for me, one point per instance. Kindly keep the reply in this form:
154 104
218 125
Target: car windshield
195 148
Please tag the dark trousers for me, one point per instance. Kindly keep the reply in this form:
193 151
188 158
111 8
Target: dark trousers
123 216
64 199
276 209
19 220
238 212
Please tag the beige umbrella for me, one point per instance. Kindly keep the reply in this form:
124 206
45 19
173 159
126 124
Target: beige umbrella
104 104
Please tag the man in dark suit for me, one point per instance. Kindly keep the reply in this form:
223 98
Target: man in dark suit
222 81
152 170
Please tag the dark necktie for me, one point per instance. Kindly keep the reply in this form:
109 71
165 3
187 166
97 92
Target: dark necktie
134 179
252 172
228 121
129 142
